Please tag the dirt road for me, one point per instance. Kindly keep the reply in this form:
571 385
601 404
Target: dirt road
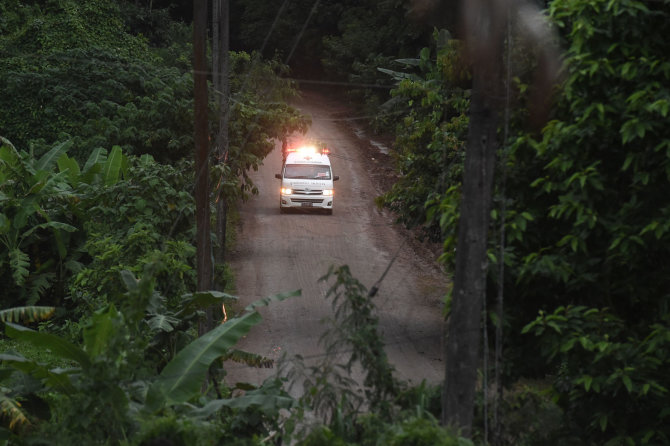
278 253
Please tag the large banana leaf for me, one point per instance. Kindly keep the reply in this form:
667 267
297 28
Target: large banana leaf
71 167
182 378
93 165
48 159
56 225
112 167
57 345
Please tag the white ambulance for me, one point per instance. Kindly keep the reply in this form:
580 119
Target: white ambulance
306 180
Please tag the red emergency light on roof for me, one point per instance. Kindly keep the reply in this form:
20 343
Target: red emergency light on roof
308 150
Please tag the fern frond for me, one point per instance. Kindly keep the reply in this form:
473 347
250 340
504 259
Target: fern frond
11 410
250 359
19 262
38 284
26 314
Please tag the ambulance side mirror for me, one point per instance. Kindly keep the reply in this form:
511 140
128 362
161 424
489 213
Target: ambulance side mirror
336 177
278 176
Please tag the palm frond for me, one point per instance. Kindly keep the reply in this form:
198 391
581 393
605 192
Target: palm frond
10 409
26 314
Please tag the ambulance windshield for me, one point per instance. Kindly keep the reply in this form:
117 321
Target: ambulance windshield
307 171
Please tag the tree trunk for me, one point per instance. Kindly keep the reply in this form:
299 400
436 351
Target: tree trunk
463 340
203 242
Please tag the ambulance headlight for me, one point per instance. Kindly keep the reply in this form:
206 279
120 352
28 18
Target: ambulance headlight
328 192
286 191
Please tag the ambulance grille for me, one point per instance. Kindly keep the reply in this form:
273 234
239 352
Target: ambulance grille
307 192
307 200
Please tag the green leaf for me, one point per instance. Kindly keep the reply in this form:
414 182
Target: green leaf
93 165
182 377
51 224
5 224
129 280
97 157
55 344
112 167
412 62
100 330
162 322
71 167
603 422
627 382
48 159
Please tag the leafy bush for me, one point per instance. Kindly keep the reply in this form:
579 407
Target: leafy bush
611 383
34 226
142 219
429 140
111 389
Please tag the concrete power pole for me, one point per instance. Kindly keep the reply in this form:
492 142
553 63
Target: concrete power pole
221 63
201 137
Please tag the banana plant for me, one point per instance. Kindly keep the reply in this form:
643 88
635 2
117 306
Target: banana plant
100 168
33 221
182 378
30 191
112 337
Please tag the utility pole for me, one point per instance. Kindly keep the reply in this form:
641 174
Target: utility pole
201 138
485 34
483 25
221 64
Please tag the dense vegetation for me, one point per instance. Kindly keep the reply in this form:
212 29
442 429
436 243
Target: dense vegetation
97 225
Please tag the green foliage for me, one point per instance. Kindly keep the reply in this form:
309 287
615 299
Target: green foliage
529 416
381 410
33 242
144 218
329 390
177 431
181 379
370 34
421 432
599 202
71 71
430 139
110 376
411 430
257 115
97 98
56 25
611 384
